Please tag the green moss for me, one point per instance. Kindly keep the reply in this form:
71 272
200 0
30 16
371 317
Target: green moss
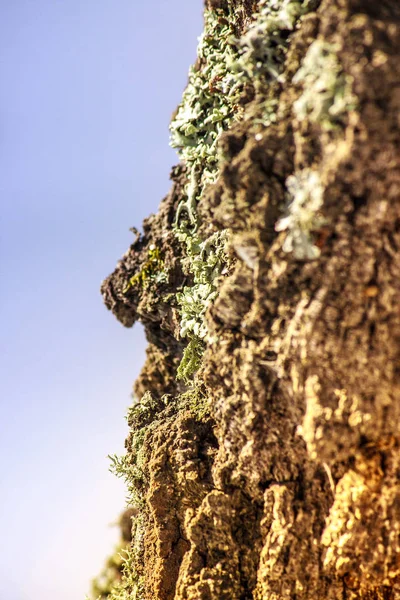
141 416
119 579
152 270
197 402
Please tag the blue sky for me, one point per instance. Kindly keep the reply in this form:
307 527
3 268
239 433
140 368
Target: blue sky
87 88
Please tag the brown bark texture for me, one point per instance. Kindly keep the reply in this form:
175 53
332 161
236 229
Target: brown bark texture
272 471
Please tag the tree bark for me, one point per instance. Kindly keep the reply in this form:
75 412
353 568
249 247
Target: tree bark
269 469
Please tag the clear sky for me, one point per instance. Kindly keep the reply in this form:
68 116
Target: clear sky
87 88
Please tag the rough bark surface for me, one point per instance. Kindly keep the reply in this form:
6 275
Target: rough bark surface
274 474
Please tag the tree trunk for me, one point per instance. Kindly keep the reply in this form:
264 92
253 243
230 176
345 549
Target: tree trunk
263 459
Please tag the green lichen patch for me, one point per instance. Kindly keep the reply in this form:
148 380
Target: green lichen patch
117 577
263 47
109 578
130 466
303 216
191 359
205 262
206 109
118 580
219 84
327 91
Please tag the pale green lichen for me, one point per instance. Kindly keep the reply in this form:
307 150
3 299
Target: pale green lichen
205 260
191 359
326 99
205 112
128 586
209 105
131 473
263 47
327 91
303 217
119 580
107 581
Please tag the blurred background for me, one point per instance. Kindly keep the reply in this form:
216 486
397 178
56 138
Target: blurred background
87 91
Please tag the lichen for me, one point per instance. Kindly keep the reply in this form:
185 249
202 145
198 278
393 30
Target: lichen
326 99
206 109
263 47
126 584
303 217
191 359
226 66
118 580
109 578
204 113
130 466
327 91
205 261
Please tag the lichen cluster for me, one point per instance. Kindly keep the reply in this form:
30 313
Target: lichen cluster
283 450
303 218
139 416
204 113
263 47
326 99
327 91
118 580
218 82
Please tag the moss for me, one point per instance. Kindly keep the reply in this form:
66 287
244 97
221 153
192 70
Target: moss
131 467
152 270
197 402
119 579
